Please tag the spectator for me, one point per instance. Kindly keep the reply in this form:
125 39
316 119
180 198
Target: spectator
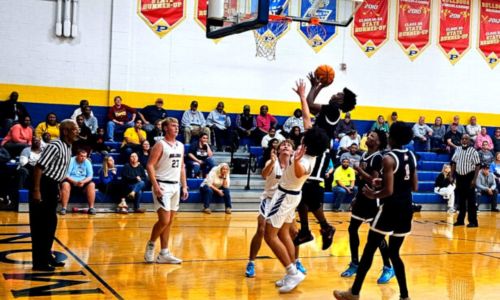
295 120
215 187
11 112
272 134
496 141
486 186
97 141
352 156
18 137
346 141
485 154
144 152
246 123
264 122
483 137
84 137
156 134
50 126
343 184
118 116
460 127
89 120
473 129
79 178
152 113
362 143
79 110
495 169
445 187
380 124
422 134
296 135
132 139
220 123
199 158
345 126
394 118
109 184
193 123
271 145
438 133
45 140
452 138
134 179
27 161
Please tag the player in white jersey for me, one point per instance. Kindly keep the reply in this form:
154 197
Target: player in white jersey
281 211
166 168
272 173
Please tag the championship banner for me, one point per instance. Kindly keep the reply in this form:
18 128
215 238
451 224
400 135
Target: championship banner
413 26
273 31
317 36
162 15
454 28
200 14
489 31
369 28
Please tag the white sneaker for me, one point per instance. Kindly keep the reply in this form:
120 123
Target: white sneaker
291 281
168 258
281 282
149 255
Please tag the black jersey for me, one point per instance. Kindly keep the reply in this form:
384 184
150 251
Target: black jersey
406 164
320 167
369 163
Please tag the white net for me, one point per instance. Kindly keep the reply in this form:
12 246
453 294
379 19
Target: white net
266 40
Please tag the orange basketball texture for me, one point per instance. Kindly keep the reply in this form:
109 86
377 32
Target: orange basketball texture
325 74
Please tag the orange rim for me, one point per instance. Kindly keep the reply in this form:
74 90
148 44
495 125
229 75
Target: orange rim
278 18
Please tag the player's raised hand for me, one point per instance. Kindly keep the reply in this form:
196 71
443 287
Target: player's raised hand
299 153
315 83
300 88
274 157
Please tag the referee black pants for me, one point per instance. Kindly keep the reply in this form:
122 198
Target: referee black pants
43 221
466 198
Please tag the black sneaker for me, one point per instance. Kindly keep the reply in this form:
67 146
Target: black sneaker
458 224
472 225
303 237
327 235
495 210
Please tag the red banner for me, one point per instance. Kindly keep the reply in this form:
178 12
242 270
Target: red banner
489 31
454 28
370 25
162 15
413 26
200 15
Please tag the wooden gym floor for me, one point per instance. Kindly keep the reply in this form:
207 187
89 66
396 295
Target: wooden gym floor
105 260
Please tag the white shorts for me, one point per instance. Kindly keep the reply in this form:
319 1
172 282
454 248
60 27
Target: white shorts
169 201
264 204
281 209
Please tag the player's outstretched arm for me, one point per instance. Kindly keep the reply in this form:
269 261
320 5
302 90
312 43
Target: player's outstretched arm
300 89
268 168
316 87
298 167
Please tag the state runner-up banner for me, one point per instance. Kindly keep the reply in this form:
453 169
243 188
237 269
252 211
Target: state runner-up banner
489 31
454 28
162 15
200 14
413 26
369 28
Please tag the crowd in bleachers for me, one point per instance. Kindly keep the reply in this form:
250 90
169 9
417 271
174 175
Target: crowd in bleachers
117 149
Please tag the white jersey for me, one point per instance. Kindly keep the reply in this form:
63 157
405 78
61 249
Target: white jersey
168 167
272 181
289 181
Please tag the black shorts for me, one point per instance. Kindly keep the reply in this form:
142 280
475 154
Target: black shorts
313 195
393 220
364 209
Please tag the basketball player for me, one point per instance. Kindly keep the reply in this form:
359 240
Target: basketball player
272 173
365 209
395 213
280 212
165 169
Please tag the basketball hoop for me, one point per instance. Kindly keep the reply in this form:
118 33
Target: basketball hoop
315 31
265 43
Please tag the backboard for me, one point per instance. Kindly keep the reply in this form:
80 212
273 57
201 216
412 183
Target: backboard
227 17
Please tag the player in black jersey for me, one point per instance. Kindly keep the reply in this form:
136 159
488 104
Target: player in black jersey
365 209
395 213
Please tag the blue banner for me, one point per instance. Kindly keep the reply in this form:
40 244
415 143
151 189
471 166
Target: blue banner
275 30
317 36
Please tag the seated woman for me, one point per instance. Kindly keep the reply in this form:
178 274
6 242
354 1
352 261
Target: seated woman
97 141
144 153
84 137
296 135
438 132
199 159
108 180
18 137
50 126
215 187
271 145
495 170
134 180
380 124
445 186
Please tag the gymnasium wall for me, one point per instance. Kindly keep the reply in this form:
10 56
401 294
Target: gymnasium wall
117 53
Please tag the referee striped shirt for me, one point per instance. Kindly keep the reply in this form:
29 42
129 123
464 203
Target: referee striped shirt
465 160
55 160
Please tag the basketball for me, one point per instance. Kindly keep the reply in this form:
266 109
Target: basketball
325 74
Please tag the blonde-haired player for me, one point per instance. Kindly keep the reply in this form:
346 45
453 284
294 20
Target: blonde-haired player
166 168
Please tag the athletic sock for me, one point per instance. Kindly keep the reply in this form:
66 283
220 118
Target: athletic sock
291 269
164 251
251 261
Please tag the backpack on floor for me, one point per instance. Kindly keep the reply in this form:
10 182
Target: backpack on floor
240 165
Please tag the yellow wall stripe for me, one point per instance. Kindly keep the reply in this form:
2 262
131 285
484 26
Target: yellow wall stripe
72 96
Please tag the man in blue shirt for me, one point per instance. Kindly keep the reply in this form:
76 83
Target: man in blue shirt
79 177
152 113
193 123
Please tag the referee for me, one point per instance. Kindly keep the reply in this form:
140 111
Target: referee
465 167
50 170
